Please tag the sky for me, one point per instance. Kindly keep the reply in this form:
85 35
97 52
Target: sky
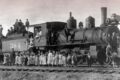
39 11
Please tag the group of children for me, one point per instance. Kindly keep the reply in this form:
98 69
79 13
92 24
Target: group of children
50 58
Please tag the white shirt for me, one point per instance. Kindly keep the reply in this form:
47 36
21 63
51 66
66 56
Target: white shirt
50 57
16 60
38 34
19 60
5 60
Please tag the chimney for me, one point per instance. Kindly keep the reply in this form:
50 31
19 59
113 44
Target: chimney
103 15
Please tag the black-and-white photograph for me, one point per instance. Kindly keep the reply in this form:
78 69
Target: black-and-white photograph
59 39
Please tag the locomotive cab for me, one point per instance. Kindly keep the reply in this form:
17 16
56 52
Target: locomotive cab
46 34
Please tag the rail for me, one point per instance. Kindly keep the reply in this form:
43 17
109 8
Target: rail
85 69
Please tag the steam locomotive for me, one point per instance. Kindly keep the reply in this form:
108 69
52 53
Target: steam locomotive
54 34
61 35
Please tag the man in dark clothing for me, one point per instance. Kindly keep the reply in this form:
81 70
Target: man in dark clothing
16 26
27 23
72 36
26 61
21 26
12 56
1 58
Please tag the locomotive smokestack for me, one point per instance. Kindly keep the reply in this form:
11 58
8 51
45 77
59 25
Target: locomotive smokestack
103 15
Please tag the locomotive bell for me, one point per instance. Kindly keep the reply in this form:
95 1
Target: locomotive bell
80 25
71 22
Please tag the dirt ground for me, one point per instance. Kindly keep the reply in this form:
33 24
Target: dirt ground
56 76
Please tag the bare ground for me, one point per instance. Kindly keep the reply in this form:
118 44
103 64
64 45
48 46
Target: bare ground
56 76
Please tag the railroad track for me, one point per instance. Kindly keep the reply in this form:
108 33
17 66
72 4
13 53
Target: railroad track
62 69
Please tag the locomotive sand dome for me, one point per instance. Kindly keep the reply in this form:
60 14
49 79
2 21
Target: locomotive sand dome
90 22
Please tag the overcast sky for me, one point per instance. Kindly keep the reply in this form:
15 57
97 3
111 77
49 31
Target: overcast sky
39 11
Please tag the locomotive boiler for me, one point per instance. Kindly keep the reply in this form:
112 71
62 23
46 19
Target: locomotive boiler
106 34
99 36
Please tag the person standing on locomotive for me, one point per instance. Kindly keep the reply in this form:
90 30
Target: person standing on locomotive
20 24
72 36
30 43
16 26
27 23
38 34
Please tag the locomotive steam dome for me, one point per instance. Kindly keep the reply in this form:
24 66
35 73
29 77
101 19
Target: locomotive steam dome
71 22
90 22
